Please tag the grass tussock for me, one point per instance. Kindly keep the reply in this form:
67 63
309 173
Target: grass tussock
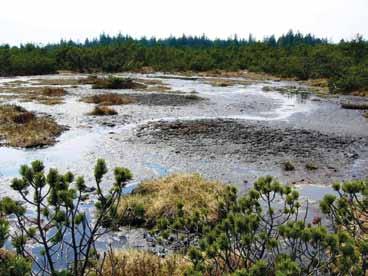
288 166
117 83
21 128
159 198
42 95
108 99
103 111
53 92
141 263
57 81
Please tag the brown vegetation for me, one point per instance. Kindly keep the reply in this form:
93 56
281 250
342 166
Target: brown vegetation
116 83
21 128
103 111
108 99
57 81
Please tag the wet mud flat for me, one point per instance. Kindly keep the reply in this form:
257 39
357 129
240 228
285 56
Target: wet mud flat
316 156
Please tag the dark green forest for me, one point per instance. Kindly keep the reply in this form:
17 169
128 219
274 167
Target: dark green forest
293 55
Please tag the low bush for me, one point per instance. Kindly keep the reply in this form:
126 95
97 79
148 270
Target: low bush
288 166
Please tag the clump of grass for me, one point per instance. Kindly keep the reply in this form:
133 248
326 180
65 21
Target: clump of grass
288 166
91 79
158 88
103 111
156 199
53 92
50 101
117 83
311 166
108 99
357 106
56 81
139 263
43 95
21 128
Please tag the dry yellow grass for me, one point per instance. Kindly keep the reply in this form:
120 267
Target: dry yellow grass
108 99
159 198
142 263
43 95
21 128
56 81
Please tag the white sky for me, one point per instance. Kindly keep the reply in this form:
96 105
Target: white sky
50 20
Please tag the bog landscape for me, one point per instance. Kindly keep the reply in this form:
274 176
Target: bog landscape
184 156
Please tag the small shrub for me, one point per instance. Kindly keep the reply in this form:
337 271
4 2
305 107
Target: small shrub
102 111
13 265
288 166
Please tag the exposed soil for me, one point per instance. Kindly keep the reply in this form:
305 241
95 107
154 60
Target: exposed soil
257 143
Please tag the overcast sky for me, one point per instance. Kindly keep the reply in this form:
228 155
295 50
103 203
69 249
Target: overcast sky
49 21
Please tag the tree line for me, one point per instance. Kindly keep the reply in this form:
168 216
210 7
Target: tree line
292 55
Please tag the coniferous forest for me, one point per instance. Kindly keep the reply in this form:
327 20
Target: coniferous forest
293 55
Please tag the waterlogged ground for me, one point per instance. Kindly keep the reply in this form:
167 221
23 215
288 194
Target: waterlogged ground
234 133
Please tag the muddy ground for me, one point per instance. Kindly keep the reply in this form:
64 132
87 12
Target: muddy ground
233 130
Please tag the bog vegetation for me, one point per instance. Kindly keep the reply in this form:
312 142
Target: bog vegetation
266 231
292 55
22 128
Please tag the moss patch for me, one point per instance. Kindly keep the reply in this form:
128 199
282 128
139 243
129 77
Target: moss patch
21 128
156 199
